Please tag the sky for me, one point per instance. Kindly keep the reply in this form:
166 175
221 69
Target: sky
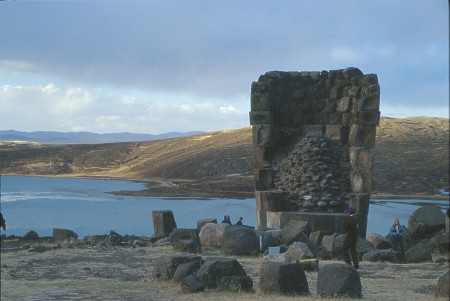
164 65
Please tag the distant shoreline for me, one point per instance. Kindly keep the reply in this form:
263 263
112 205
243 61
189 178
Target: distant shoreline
175 192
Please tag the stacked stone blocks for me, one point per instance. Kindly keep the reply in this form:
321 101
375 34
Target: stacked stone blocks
338 112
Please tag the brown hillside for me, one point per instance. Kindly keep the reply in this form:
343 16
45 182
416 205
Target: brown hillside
411 158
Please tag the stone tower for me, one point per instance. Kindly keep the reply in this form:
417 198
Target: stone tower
313 139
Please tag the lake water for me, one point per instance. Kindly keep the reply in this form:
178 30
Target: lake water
86 207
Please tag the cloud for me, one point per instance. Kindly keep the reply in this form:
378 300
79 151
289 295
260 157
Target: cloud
166 65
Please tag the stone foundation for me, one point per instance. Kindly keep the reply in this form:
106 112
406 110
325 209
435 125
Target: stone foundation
313 138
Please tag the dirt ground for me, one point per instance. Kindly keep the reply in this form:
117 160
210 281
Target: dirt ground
80 272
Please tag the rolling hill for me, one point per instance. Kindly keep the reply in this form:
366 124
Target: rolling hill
412 158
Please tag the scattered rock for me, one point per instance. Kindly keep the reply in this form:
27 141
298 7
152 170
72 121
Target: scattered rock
442 288
238 240
192 284
338 280
378 241
284 278
185 240
426 221
211 235
235 284
420 252
214 268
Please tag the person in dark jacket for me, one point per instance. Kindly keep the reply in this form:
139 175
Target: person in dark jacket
239 222
350 226
397 232
226 220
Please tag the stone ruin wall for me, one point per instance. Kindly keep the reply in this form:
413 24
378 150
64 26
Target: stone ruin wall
313 140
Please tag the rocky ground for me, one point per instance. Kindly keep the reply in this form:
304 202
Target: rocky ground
45 270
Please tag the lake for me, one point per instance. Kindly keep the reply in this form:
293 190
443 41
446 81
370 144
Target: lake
86 207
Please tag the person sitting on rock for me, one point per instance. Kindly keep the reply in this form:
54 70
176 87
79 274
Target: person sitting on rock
226 220
350 226
239 222
397 232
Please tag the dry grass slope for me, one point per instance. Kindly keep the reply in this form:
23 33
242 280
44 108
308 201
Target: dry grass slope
412 157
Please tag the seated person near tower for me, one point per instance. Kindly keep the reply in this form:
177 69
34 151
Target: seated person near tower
397 232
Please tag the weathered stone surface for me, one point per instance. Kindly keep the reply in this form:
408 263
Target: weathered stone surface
260 117
299 251
378 241
270 200
442 287
303 125
235 284
163 223
381 255
263 179
283 278
167 265
295 231
185 240
238 240
185 269
263 135
211 235
338 280
202 222
64 234
426 221
192 284
420 252
440 243
215 268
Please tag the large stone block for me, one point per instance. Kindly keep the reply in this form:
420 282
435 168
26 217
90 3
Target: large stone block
284 278
338 280
270 200
362 158
64 234
263 135
360 182
372 90
362 135
366 103
327 222
260 117
367 118
337 133
185 240
260 102
204 221
344 105
262 156
277 220
369 79
261 217
163 223
263 179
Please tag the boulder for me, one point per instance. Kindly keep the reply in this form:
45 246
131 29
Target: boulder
378 241
295 231
284 278
64 234
185 269
235 284
163 223
309 265
426 221
202 222
420 252
381 255
442 287
239 240
192 284
439 243
316 237
333 243
185 240
166 266
214 268
211 235
338 280
299 251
